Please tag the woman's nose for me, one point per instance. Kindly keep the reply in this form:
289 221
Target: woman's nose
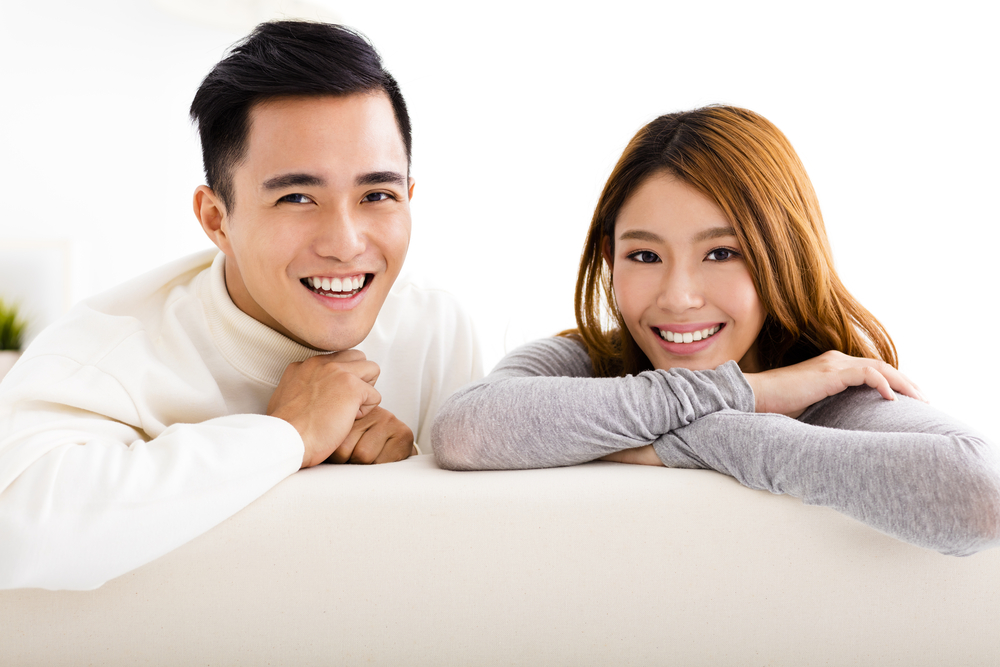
680 290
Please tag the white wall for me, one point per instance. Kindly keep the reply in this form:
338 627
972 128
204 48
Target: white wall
520 110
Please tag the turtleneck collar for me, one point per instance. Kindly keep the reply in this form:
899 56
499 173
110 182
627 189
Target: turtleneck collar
253 348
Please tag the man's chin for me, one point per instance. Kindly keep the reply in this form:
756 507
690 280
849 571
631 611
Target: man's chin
332 331
335 342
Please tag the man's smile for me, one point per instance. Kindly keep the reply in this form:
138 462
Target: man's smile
339 288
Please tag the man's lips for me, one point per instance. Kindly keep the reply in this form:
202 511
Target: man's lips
338 287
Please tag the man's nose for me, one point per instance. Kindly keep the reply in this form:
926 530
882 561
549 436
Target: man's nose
340 236
681 289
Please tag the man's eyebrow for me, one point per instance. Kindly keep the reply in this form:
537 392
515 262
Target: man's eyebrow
377 177
288 180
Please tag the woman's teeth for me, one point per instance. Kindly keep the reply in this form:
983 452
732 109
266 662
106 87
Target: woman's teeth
690 336
339 287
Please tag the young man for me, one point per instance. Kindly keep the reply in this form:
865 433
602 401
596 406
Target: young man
155 411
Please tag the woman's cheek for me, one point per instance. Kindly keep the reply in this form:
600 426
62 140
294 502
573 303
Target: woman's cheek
631 300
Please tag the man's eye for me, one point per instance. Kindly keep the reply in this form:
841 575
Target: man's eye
644 257
377 196
721 254
295 199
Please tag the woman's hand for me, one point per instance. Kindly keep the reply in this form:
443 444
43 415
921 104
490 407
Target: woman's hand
792 389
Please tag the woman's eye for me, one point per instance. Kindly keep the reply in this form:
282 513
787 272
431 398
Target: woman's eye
377 196
644 257
721 254
295 199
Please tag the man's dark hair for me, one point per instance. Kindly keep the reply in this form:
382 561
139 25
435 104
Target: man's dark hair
282 58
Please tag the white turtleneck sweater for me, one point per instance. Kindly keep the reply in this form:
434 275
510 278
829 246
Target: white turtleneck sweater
136 422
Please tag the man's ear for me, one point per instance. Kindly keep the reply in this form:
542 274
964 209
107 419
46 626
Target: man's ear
211 213
412 183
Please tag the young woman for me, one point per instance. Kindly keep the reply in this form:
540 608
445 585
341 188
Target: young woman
732 345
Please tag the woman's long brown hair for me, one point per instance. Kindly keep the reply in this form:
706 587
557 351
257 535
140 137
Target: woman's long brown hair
744 164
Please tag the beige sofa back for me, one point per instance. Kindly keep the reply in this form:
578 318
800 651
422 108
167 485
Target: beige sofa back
601 564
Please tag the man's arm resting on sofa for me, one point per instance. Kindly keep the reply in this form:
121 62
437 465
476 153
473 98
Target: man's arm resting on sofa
86 497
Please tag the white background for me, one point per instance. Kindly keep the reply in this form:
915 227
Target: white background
519 112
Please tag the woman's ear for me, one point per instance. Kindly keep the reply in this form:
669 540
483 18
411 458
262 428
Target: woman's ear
608 257
211 213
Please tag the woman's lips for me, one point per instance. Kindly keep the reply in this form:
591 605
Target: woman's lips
681 338
687 333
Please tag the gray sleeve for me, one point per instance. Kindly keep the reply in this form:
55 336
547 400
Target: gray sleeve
541 407
899 466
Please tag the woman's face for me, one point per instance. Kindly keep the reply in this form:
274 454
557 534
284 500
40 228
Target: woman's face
680 281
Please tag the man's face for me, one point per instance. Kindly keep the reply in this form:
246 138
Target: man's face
321 217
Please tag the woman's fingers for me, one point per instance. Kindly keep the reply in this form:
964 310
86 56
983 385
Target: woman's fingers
904 385
886 379
877 381
790 390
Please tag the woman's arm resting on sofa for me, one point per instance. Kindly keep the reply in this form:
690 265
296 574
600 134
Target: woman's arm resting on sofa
541 408
913 473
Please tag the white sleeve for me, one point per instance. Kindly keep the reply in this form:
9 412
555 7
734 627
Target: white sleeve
455 360
86 496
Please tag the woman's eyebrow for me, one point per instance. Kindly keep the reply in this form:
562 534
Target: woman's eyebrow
703 235
713 233
640 235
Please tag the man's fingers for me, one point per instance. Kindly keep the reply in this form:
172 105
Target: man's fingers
358 440
366 370
352 361
388 440
371 400
378 437
343 453
370 443
396 449
345 356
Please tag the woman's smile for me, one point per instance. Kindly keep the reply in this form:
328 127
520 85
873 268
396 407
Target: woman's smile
687 339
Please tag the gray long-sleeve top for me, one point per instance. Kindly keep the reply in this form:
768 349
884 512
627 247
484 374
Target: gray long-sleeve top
899 466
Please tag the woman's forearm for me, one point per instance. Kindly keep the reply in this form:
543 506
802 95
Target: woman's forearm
939 488
537 409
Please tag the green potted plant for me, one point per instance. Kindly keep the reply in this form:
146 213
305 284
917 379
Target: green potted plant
12 327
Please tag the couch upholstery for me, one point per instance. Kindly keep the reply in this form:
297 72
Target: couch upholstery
600 564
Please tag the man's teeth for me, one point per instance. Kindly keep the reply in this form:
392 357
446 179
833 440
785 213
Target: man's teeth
690 336
350 284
